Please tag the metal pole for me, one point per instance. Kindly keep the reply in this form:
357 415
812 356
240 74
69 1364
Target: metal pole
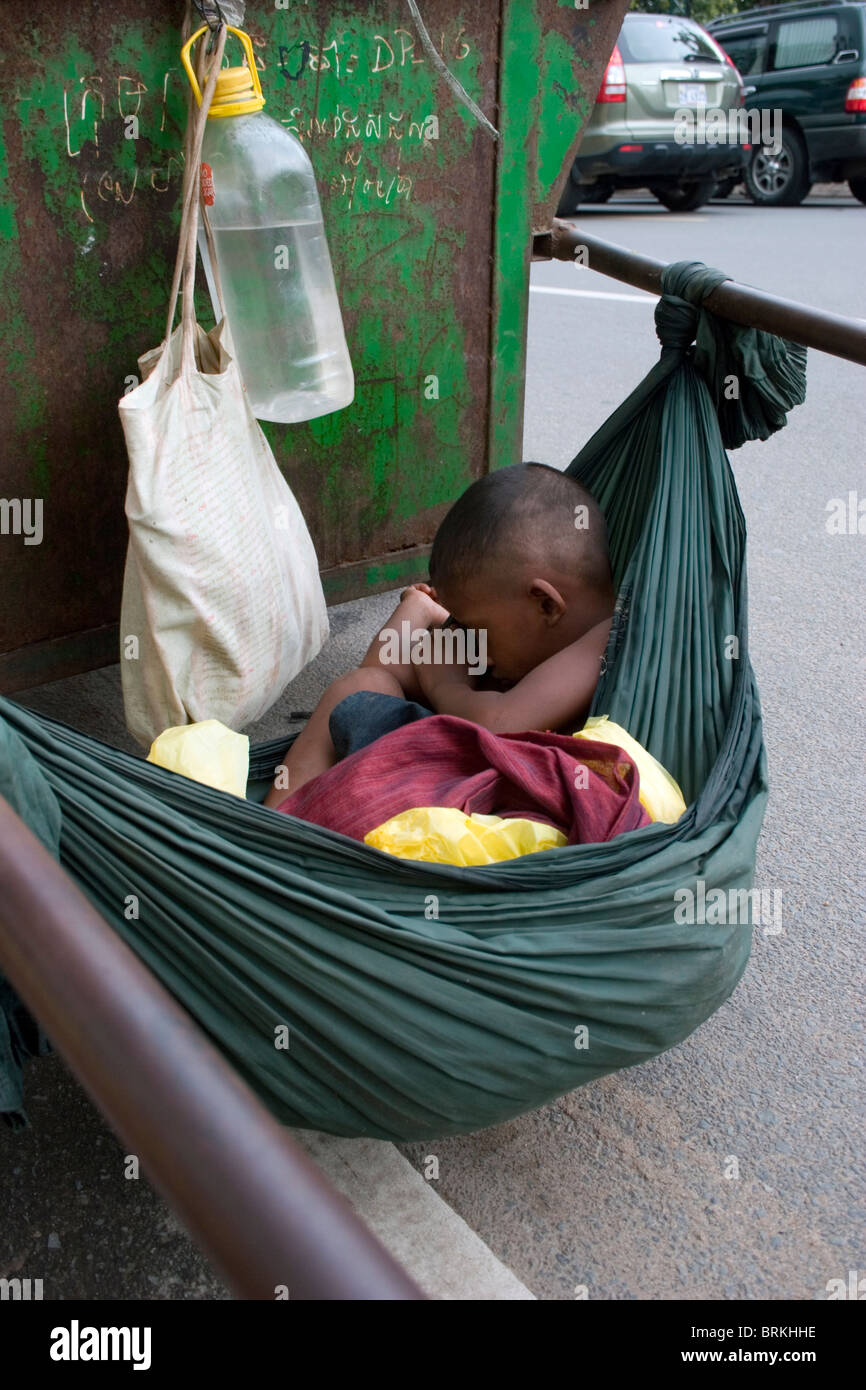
841 337
244 1189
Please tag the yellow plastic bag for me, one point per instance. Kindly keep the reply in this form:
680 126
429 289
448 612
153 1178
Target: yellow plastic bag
206 752
445 835
660 795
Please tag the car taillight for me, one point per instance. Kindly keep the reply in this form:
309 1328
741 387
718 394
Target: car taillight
856 98
613 83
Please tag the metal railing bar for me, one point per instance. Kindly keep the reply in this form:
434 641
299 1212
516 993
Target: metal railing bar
813 328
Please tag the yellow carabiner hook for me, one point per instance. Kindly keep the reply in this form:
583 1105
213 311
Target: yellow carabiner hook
246 44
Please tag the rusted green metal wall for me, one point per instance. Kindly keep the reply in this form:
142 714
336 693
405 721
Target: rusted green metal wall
429 217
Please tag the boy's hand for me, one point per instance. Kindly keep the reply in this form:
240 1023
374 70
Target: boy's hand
422 588
422 599
436 677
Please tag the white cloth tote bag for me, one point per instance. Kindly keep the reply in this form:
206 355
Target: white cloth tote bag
221 589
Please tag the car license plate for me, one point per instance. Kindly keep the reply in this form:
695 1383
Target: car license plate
693 94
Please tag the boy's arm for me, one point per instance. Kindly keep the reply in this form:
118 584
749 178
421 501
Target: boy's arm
420 610
556 693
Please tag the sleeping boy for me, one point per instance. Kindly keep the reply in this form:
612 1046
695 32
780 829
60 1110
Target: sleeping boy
521 560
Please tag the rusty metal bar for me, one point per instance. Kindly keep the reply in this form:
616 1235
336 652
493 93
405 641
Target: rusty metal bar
245 1190
814 328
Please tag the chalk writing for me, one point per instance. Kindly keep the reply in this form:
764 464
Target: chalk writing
382 191
92 92
388 57
394 50
135 89
364 125
84 106
89 100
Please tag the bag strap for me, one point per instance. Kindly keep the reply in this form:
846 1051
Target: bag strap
201 73
184 268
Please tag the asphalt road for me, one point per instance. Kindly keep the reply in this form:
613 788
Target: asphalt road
621 1186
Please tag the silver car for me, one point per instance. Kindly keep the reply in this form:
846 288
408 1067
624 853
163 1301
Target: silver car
665 118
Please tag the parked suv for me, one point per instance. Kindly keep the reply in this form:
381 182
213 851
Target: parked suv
806 60
661 65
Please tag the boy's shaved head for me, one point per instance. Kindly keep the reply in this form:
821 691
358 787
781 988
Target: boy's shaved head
526 514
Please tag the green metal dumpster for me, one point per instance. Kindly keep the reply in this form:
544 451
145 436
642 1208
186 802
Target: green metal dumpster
440 133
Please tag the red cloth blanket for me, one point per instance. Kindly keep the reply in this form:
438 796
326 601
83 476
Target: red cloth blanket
446 761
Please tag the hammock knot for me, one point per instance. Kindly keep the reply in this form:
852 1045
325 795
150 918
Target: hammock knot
685 285
753 377
692 281
676 323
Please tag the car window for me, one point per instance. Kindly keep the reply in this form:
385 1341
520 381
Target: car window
803 42
747 51
652 39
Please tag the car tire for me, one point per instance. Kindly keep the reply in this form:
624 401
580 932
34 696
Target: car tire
858 188
782 180
569 199
726 187
596 192
685 197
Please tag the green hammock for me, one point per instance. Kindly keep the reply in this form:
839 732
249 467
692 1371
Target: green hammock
423 1000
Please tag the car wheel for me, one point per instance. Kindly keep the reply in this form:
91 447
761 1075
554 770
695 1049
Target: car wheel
596 192
858 188
569 199
725 188
685 197
779 180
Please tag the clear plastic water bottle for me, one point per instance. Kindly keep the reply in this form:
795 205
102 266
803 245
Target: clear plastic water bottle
272 254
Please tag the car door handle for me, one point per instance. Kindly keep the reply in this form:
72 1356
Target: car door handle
749 91
848 55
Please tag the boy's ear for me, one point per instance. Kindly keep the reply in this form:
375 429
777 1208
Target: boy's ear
549 600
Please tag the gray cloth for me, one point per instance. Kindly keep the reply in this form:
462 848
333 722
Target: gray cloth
24 787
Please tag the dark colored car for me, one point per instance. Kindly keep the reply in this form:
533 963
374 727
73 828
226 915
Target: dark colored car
663 67
805 63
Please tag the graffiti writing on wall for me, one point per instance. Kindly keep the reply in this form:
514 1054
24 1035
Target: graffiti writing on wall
92 100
